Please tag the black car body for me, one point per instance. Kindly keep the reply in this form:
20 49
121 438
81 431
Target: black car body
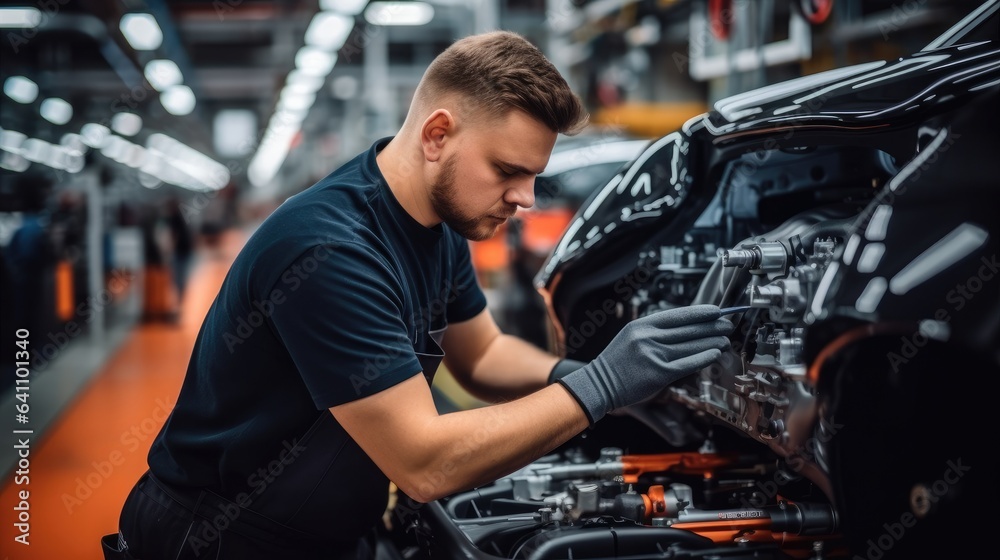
856 213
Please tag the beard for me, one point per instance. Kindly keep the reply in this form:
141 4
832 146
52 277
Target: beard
443 200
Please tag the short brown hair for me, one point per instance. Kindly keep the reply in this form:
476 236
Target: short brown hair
499 71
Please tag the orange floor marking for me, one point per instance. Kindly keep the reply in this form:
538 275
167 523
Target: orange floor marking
84 466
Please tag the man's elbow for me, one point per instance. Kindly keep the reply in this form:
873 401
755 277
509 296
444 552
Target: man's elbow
431 480
422 489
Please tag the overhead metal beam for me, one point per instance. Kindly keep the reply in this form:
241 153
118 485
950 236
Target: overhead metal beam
216 83
172 46
92 27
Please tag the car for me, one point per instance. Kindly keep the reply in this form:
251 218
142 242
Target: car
579 165
849 220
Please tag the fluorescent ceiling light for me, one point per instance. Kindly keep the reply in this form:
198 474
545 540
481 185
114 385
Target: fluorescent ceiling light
178 100
20 89
66 159
234 132
328 30
296 101
20 18
148 180
56 111
116 148
14 162
163 144
141 31
308 81
36 150
399 13
270 155
11 140
184 166
126 124
285 117
95 135
162 74
349 7
314 62
136 156
301 88
74 143
345 87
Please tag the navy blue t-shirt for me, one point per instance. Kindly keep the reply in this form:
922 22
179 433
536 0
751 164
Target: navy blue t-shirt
336 296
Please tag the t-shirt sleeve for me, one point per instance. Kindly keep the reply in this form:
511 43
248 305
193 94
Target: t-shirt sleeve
469 299
341 321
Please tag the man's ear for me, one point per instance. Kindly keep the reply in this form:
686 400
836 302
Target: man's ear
437 128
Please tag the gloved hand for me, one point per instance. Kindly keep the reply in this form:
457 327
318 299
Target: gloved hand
646 356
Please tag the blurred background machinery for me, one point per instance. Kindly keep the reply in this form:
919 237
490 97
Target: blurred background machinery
114 110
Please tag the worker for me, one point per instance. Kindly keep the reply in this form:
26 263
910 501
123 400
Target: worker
308 389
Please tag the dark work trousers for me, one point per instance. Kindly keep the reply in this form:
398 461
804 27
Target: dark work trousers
161 523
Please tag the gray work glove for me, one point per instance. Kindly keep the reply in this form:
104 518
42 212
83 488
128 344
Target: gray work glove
644 357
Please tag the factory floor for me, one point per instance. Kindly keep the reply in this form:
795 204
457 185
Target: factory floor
84 462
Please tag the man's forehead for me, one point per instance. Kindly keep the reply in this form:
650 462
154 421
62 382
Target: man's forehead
520 140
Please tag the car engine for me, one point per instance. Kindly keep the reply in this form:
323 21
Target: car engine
850 242
719 497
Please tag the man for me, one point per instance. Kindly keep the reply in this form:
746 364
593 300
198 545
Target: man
309 385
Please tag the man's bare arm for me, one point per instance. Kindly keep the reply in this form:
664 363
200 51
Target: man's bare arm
491 365
429 455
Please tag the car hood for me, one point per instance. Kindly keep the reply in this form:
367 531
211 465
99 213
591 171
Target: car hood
862 95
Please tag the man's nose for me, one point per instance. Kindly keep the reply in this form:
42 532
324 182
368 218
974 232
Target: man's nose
522 193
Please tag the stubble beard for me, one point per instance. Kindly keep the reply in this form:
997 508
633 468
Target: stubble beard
443 196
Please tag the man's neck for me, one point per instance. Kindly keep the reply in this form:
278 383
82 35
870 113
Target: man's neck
402 167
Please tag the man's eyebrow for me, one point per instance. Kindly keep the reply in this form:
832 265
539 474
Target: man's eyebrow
518 168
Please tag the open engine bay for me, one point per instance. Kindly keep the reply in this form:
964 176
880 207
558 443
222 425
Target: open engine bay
851 219
719 496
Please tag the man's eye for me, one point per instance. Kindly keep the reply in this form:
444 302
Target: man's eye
505 173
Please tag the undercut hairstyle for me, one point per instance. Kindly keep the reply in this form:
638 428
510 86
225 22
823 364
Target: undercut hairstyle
498 71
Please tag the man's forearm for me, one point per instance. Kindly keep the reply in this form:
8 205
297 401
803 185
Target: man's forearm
510 368
480 445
